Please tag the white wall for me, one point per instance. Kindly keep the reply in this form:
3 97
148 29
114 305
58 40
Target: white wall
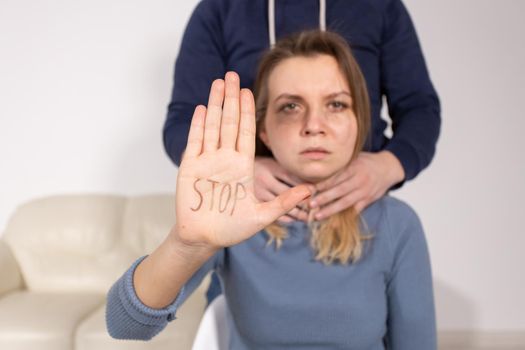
84 87
470 197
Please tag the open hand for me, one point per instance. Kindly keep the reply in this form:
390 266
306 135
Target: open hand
215 201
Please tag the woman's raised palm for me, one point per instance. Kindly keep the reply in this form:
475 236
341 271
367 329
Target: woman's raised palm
215 197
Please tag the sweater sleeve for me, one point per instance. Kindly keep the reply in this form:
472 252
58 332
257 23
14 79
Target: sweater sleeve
411 316
201 59
413 103
128 318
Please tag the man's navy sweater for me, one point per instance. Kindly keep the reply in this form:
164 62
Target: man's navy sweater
225 35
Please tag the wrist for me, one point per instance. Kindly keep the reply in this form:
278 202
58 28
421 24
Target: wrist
189 251
395 172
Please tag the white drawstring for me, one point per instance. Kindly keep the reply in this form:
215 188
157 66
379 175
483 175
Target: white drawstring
322 15
271 19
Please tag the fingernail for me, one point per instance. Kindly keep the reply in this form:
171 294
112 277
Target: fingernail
318 216
313 204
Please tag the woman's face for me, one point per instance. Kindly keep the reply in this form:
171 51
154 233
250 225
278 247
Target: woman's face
309 126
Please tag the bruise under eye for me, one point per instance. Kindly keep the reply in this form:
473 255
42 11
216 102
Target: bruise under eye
288 107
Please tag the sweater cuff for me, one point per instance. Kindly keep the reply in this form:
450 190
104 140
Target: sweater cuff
408 158
137 309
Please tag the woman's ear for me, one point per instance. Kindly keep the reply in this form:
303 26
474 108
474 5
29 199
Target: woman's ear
264 138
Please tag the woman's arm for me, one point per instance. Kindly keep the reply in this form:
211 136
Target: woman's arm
411 315
159 278
127 317
215 206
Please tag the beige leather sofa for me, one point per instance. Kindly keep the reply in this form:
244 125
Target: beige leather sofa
58 258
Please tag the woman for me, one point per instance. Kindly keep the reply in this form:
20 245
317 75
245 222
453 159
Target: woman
349 282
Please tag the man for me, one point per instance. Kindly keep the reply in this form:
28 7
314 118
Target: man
227 35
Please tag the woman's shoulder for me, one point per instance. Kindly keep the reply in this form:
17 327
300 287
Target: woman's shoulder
396 206
393 217
389 207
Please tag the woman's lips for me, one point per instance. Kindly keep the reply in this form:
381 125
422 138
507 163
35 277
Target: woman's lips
315 153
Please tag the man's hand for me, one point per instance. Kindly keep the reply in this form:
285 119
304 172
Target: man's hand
362 182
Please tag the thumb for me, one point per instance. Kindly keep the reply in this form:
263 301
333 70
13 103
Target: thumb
282 204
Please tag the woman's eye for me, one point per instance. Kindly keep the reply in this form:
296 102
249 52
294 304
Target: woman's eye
338 105
289 107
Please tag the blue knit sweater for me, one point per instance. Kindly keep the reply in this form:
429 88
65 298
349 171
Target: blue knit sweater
284 299
227 35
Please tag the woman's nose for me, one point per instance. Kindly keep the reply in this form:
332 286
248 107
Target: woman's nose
314 124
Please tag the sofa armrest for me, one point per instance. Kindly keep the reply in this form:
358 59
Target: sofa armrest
11 277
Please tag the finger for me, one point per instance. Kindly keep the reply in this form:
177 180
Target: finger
298 214
268 189
285 219
311 215
270 211
336 179
275 186
246 138
339 205
303 205
332 194
361 205
264 195
196 134
286 178
271 166
213 116
230 111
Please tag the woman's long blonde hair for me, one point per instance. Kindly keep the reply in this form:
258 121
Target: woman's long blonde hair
339 238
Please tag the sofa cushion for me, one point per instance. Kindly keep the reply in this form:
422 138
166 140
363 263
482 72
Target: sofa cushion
178 334
147 221
11 277
32 320
70 243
